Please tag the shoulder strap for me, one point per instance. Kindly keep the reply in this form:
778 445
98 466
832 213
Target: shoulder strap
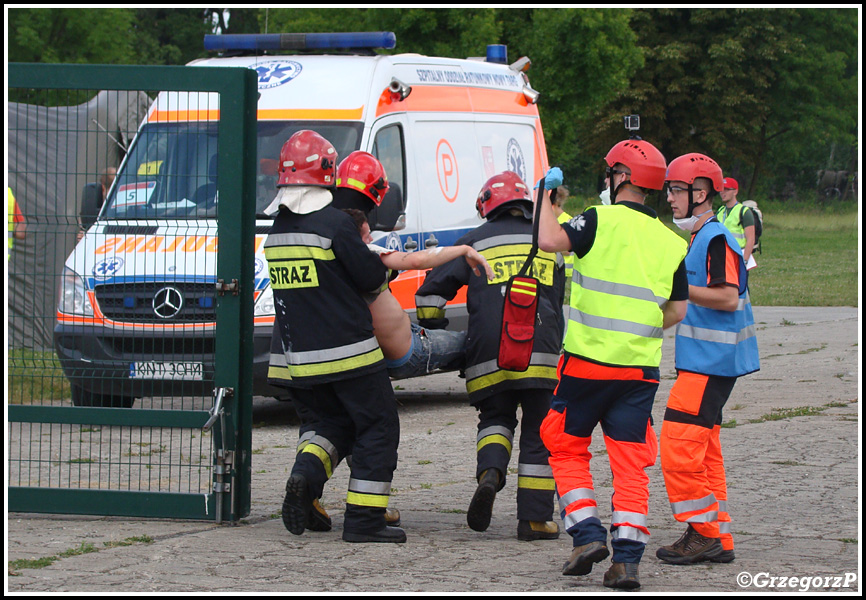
535 220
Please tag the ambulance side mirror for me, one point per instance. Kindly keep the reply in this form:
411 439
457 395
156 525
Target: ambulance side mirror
390 216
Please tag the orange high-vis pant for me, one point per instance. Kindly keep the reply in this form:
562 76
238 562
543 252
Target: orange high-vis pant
691 454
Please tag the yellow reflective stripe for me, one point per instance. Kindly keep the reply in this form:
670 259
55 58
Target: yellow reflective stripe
527 292
500 376
374 500
427 312
279 372
535 483
296 252
338 366
494 439
353 182
322 455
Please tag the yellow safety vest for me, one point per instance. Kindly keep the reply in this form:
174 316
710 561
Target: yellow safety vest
620 287
733 221
11 205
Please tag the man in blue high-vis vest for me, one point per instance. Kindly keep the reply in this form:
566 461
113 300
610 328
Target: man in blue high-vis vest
715 344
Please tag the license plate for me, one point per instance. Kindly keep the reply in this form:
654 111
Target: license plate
173 371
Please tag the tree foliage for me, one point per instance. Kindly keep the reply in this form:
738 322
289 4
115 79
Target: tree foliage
772 94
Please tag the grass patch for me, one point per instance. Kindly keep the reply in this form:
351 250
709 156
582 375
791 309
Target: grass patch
13 566
35 377
778 414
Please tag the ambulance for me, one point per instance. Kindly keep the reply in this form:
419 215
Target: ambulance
136 315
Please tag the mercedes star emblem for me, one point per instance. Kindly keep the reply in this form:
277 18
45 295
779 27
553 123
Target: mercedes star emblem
167 302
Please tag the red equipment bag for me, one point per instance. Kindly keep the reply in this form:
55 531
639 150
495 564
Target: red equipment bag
518 323
520 310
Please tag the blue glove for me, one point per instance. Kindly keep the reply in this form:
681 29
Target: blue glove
552 180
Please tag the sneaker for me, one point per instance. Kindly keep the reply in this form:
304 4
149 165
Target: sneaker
297 504
623 576
317 518
583 557
392 517
528 531
691 548
481 507
393 535
726 556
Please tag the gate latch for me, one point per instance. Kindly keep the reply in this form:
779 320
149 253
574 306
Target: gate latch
222 287
217 410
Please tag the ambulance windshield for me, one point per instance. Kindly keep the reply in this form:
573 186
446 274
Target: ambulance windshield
172 169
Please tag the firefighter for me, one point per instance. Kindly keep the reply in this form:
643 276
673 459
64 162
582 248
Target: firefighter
715 344
505 241
629 284
319 270
737 218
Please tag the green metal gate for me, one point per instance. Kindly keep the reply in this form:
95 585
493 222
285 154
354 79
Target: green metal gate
168 432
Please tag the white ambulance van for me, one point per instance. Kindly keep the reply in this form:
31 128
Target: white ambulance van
136 312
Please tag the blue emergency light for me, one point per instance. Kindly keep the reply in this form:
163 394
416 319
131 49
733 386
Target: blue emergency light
300 41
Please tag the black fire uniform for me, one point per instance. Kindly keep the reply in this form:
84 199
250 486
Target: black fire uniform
319 268
505 242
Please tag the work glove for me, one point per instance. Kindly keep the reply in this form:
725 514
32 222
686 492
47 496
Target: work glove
552 180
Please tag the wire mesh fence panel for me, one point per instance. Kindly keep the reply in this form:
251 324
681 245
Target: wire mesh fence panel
115 316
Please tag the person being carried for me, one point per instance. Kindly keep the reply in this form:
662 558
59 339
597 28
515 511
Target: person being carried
411 350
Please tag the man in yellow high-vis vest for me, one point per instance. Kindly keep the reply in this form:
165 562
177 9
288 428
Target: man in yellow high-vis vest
738 219
629 284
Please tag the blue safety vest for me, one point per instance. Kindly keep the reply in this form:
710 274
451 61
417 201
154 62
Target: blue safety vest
710 341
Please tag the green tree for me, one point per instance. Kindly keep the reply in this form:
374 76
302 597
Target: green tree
756 89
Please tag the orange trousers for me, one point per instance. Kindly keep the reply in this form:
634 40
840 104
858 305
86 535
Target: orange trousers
691 454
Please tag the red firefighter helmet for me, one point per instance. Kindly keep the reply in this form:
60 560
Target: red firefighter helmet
502 189
645 161
307 159
361 171
688 167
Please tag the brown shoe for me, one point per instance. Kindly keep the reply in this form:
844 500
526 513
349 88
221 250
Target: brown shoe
691 548
528 531
583 557
392 517
317 518
623 576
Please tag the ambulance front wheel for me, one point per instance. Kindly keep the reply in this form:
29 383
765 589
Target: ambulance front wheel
82 397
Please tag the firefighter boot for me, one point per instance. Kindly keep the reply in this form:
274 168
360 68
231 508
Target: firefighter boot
623 576
297 504
317 518
691 548
481 506
528 531
393 535
583 557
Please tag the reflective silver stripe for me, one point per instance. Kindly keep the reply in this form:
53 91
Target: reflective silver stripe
692 505
534 470
278 360
608 324
616 289
714 335
305 439
496 430
328 447
330 354
632 518
624 532
575 495
430 301
723 506
298 239
362 486
707 517
573 518
724 527
538 359
501 240
738 236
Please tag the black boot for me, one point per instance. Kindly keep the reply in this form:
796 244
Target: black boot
481 506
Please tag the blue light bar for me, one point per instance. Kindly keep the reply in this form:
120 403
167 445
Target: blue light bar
300 41
497 53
